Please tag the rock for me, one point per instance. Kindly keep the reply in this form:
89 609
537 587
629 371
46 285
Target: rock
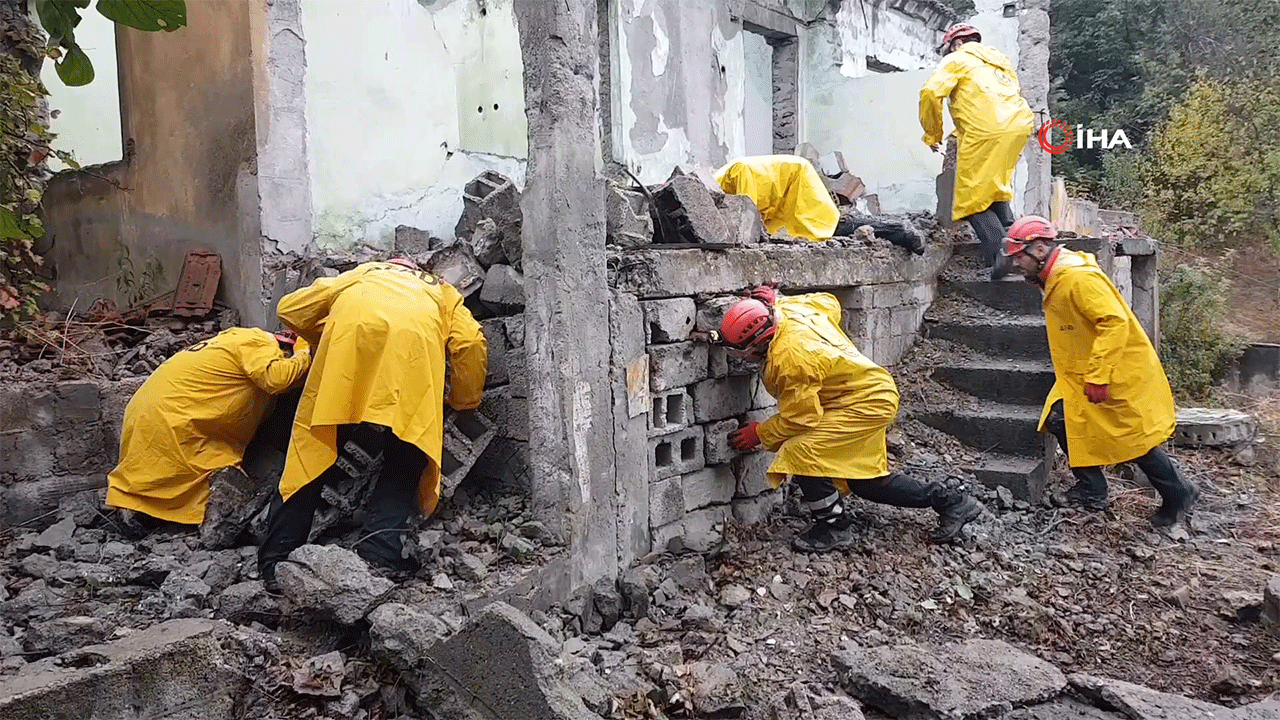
401 634
742 218
582 606
636 584
1005 497
1065 709
471 568
247 601
58 537
690 573
715 689
412 240
734 596
1265 710
1140 703
234 498
332 581
690 211
457 265
9 646
508 665
181 596
969 679
82 508
486 242
503 288
321 675
492 195
1271 603
628 223
64 634
608 602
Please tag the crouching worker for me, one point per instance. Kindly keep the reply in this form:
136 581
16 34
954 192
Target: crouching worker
835 407
1111 402
382 332
788 192
193 417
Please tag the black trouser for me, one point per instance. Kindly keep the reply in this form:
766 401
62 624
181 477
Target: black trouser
1156 464
897 489
990 226
392 501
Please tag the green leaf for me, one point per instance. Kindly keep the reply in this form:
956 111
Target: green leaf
75 69
59 18
12 226
149 15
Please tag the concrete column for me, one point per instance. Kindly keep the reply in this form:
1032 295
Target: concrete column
567 310
1033 75
1144 274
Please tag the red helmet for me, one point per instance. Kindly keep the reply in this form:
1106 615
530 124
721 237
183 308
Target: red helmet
1026 229
404 262
747 325
957 31
287 337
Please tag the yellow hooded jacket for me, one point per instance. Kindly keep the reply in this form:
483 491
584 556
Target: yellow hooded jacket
834 404
787 190
382 331
1095 338
992 119
194 416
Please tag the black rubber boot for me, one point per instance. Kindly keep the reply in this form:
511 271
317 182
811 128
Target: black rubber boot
1090 490
954 508
831 527
1178 495
990 231
952 520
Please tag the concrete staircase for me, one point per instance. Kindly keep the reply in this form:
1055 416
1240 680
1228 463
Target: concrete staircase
1001 386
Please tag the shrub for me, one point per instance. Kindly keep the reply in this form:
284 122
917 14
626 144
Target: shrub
1194 347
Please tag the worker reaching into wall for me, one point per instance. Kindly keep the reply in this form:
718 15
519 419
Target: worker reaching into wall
993 122
193 417
787 190
1111 402
835 407
382 331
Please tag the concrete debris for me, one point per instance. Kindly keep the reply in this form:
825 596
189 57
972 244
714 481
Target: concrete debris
743 221
897 229
690 211
486 241
503 289
668 321
715 689
61 635
1213 427
182 595
246 602
1140 703
321 675
458 266
413 241
628 223
800 703
493 196
234 499
402 635
1271 603
969 680
332 581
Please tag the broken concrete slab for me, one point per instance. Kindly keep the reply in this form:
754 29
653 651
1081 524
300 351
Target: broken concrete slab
1265 710
494 196
1063 709
332 581
1141 703
976 678
413 241
486 242
669 320
458 266
503 289
690 211
234 499
63 634
714 689
627 220
179 668
742 219
500 665
402 635
1213 427
1271 604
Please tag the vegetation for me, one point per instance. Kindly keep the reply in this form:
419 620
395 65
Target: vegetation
1194 348
25 139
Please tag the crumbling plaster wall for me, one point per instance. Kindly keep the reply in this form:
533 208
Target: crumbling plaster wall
407 101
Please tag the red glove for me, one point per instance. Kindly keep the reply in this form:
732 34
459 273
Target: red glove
1095 393
764 294
745 438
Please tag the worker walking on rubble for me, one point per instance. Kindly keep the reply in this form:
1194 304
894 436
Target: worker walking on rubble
835 407
1111 402
193 417
993 122
788 192
382 332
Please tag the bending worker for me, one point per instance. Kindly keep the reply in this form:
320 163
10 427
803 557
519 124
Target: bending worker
834 409
788 192
993 122
382 331
193 417
1111 402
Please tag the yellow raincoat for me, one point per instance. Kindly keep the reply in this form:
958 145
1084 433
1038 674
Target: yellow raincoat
1095 338
992 119
788 191
382 331
194 416
834 404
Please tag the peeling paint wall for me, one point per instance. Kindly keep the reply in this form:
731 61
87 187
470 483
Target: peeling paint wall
407 101
679 85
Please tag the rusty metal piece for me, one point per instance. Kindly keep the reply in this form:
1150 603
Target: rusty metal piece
197 285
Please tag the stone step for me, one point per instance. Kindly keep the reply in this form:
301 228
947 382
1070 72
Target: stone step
1016 382
991 427
1014 296
1002 337
1025 477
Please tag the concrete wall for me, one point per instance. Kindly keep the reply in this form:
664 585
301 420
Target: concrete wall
406 101
188 180
88 120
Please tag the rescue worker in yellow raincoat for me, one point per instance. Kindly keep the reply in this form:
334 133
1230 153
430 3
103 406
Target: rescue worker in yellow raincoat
993 123
382 332
1111 402
835 407
193 417
787 190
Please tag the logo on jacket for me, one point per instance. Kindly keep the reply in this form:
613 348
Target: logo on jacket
1079 137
